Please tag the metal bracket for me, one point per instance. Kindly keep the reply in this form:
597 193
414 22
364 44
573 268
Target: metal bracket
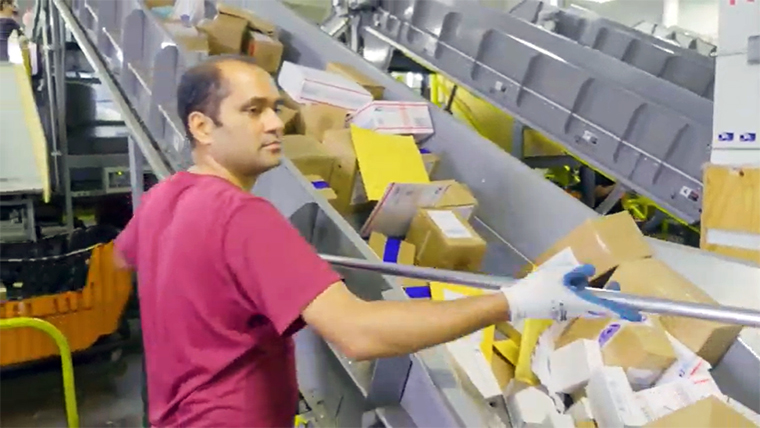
389 378
612 198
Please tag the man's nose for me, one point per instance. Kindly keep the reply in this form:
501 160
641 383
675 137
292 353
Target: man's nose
272 122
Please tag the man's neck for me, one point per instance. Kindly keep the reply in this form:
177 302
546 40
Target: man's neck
216 170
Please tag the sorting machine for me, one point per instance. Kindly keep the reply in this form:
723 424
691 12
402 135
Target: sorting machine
520 214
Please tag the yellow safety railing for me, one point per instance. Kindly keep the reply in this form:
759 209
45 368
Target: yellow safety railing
69 392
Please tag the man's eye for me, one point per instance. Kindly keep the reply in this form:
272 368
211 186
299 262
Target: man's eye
253 110
278 109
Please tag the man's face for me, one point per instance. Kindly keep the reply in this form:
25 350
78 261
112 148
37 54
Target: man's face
247 142
11 8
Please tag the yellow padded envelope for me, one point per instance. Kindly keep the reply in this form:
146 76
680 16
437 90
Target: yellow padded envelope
385 159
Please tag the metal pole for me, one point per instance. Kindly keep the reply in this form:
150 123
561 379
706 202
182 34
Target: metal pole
143 140
47 47
723 314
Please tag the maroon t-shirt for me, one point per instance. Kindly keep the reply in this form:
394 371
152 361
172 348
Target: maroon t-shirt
223 278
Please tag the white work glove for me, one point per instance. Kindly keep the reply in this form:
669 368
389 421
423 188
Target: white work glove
559 294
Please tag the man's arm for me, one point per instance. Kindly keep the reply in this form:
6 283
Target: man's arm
283 277
367 330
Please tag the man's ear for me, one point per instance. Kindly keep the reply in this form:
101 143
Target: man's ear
200 126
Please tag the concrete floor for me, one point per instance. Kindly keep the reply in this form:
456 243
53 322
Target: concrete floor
108 394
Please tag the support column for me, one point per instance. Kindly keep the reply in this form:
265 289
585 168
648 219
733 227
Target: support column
731 201
136 173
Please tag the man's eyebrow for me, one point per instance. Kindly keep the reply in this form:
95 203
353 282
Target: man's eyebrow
259 101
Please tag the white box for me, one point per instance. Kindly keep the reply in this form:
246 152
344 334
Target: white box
663 400
612 399
393 117
572 365
558 420
311 86
581 410
529 408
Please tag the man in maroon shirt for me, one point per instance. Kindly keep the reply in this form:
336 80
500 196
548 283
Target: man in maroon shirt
225 280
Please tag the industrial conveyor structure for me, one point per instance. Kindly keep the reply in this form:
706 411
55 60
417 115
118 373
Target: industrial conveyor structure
520 214
678 35
660 57
646 133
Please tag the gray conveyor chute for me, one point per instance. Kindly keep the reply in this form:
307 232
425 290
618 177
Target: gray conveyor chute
649 135
661 57
520 215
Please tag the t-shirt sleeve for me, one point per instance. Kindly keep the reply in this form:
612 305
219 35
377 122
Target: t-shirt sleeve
126 242
275 267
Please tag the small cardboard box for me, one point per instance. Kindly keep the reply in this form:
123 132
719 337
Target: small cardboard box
394 117
308 155
604 242
653 278
345 179
227 34
288 117
458 198
445 240
431 161
265 50
315 119
188 37
710 412
357 76
254 22
323 188
502 369
395 250
311 86
643 350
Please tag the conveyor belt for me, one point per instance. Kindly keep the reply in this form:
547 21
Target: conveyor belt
520 213
677 35
662 58
649 135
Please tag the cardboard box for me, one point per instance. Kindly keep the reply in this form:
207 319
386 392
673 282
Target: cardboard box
458 198
572 365
188 37
445 240
395 250
394 117
308 155
314 120
604 242
357 76
653 278
288 117
289 102
227 34
345 178
581 410
662 400
710 412
730 209
322 188
529 407
612 400
265 50
254 22
502 369
311 86
431 161
642 349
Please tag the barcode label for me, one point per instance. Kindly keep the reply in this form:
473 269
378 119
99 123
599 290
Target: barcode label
450 225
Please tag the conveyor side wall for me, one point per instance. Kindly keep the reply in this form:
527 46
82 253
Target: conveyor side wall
650 135
667 60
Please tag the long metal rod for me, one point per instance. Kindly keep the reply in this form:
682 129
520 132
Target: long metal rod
723 314
143 140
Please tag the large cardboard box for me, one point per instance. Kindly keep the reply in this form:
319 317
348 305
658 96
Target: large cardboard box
653 278
445 240
188 37
458 198
312 86
288 116
308 155
357 76
266 50
431 161
710 412
315 119
643 350
345 178
604 242
395 250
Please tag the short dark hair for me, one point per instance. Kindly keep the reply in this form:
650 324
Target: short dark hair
202 89
4 3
